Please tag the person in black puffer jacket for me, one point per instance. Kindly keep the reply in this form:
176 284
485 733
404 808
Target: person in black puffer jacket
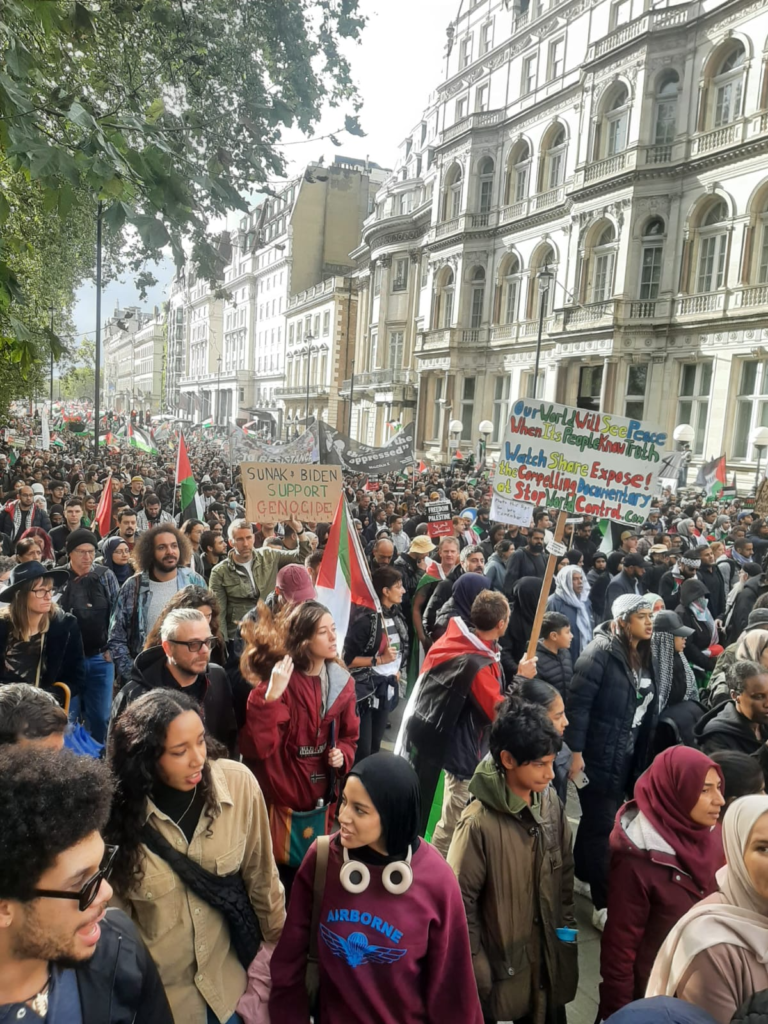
744 603
554 663
611 709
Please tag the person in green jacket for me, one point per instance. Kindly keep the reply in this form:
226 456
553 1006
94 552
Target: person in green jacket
247 576
511 853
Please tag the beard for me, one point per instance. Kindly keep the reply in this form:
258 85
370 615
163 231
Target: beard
36 942
163 567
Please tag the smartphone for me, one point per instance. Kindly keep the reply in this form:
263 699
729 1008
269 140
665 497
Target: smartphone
580 780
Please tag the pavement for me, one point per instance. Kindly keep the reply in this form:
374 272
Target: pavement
583 1010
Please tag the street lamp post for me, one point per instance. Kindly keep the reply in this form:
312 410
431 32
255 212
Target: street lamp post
759 440
486 429
51 311
218 395
544 276
351 398
685 435
455 427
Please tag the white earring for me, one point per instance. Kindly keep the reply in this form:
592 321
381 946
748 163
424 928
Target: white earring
397 877
354 876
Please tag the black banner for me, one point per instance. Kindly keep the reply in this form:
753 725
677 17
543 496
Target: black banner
336 449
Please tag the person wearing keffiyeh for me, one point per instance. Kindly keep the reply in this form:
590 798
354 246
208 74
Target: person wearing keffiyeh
686 568
674 677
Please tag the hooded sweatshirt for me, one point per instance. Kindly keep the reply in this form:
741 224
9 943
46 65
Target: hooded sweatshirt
211 689
725 728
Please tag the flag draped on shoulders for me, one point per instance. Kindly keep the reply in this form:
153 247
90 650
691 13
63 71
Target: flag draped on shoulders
344 582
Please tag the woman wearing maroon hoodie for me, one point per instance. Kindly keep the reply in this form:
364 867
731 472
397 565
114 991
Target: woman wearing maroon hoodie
666 846
300 721
393 942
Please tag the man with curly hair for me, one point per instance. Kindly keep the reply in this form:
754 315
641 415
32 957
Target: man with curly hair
63 955
160 556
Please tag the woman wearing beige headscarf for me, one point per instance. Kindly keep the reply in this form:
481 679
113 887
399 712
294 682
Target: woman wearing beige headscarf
717 955
753 646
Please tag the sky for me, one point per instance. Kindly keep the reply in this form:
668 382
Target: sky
398 63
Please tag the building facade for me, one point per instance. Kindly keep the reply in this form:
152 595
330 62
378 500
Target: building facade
597 171
133 344
320 330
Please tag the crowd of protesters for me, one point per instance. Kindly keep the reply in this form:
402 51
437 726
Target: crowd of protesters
245 845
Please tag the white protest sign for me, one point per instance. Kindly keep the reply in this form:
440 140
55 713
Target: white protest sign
580 462
514 513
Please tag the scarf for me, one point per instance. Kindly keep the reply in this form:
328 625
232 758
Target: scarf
122 572
704 615
666 794
393 787
737 916
663 655
752 646
564 590
739 559
465 590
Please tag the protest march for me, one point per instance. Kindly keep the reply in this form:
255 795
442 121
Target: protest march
312 730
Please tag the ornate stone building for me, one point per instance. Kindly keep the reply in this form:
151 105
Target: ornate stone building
599 169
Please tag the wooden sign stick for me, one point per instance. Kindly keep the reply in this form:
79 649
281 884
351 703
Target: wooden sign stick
545 586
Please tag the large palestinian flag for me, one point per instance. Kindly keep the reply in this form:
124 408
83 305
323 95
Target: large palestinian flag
190 501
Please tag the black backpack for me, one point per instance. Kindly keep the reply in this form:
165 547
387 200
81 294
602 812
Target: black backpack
86 598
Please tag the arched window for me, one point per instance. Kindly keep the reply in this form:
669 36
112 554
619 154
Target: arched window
554 159
444 294
478 297
713 247
602 264
485 194
542 288
666 108
452 193
651 258
613 126
728 85
509 280
518 173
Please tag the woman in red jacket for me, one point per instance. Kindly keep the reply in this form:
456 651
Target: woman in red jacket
301 725
666 846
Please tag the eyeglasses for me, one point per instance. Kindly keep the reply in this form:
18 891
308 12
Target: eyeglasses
195 645
90 889
43 591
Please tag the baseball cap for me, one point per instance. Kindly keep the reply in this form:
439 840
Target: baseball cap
295 584
421 546
670 622
634 559
626 534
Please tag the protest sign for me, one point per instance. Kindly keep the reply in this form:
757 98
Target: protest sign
581 462
439 519
513 513
301 450
275 492
336 449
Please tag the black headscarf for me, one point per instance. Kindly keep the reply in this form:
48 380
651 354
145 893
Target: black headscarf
393 787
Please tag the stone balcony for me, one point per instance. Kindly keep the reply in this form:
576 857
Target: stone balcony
379 380
652 21
300 391
482 119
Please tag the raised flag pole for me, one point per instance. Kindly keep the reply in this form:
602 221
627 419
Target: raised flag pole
549 572
176 481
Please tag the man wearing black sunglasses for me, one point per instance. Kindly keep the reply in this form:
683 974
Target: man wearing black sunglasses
182 662
63 956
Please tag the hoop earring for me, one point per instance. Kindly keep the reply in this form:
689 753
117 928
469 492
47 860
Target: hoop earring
397 877
354 875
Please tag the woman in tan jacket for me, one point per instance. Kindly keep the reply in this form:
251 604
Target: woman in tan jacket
195 868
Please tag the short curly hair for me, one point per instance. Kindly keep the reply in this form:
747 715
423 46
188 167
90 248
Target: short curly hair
49 802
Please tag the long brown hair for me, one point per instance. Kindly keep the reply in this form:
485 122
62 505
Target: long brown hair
16 611
639 656
268 638
303 621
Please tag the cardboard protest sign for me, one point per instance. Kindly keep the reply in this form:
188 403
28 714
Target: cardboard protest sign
439 519
275 492
513 513
580 462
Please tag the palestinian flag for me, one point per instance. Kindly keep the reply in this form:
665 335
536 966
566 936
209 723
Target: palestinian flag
433 575
712 477
344 579
103 517
138 439
191 503
14 457
56 442
729 492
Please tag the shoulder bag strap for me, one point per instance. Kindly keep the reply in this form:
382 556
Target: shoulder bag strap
321 870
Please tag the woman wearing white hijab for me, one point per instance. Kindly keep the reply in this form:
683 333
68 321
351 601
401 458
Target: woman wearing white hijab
571 598
717 955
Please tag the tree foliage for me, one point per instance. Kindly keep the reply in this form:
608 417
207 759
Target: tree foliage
78 381
165 112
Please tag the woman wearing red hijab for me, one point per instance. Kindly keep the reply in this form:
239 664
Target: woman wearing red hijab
665 849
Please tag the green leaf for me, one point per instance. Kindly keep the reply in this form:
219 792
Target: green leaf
155 111
153 232
81 116
352 125
115 217
5 209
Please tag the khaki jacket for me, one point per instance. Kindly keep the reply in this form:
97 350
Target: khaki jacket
232 585
515 872
188 939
